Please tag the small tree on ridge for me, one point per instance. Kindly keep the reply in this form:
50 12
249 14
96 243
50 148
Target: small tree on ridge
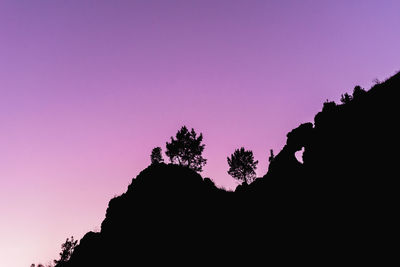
271 156
186 149
242 165
66 250
156 156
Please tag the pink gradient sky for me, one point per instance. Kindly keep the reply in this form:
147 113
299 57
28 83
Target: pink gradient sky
88 88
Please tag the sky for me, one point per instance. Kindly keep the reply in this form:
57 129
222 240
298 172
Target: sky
88 88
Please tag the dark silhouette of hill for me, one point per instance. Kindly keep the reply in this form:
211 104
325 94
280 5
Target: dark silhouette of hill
338 206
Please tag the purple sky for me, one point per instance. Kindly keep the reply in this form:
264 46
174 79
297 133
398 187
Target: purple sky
88 88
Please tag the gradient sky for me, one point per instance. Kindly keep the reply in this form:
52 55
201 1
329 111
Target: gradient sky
88 88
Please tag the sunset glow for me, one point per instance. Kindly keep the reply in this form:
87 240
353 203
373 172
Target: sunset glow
89 88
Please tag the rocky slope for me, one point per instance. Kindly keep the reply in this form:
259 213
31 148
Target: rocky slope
339 205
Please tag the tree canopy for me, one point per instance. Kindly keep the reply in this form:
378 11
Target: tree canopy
187 149
242 165
66 250
156 156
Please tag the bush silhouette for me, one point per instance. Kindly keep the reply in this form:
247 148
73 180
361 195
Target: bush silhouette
346 98
358 92
156 156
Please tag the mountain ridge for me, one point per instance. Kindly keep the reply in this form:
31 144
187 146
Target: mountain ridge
342 194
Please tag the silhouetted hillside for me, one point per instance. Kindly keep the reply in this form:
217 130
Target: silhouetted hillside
338 206
349 148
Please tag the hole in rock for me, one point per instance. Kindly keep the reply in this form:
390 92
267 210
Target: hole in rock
299 155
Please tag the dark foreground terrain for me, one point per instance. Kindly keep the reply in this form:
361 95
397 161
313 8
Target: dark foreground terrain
338 206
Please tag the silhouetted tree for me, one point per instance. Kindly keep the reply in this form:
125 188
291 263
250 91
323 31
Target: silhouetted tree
66 250
186 149
156 156
242 165
271 156
346 98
